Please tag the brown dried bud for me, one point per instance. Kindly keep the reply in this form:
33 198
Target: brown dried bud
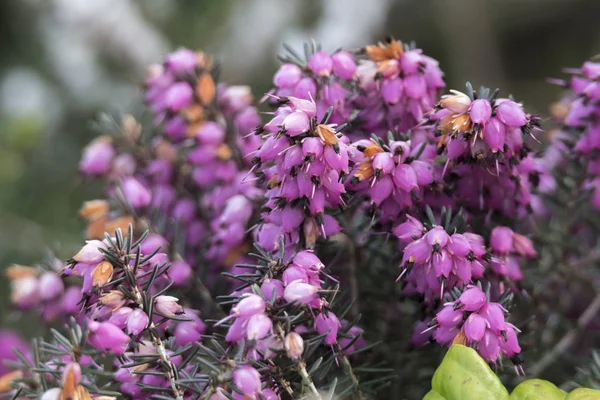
372 150
194 113
223 152
17 271
364 171
119 223
166 151
6 379
94 209
206 88
102 274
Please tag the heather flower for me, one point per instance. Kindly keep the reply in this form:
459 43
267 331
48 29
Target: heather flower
97 157
435 261
482 323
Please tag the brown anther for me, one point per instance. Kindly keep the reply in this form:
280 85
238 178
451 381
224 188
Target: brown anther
327 135
224 152
17 271
372 150
273 182
462 124
206 88
102 273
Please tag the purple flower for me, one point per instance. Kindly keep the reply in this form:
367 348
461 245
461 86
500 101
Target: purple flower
97 157
107 337
136 194
321 63
137 322
247 381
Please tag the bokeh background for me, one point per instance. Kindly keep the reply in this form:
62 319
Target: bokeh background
64 61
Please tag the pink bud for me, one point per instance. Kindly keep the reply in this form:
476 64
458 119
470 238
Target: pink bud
474 327
442 263
270 287
480 111
293 273
437 236
237 330
301 292
511 345
108 337
287 76
511 113
249 305
247 380
181 61
259 326
296 123
306 106
415 86
449 317
472 299
459 245
179 96
424 171
383 162
186 333
494 315
458 104
405 231
328 324
306 88
136 194
410 61
344 65
180 272
444 334
405 177
501 240
523 246
211 133
494 134
312 146
137 321
50 286
90 253
391 90
321 63
168 306
489 347
381 190
97 158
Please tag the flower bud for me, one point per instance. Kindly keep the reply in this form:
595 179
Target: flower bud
409 229
344 65
50 286
321 63
137 321
405 177
328 324
480 111
511 113
287 76
501 240
474 327
299 291
90 253
114 299
472 299
296 123
25 292
306 88
179 96
449 317
70 379
523 246
294 345
136 194
494 134
107 337
247 380
181 61
97 157
249 305
259 326
168 306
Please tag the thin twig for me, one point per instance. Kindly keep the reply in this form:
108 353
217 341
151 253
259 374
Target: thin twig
567 340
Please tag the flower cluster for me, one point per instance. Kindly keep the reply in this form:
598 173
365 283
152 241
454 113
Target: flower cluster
303 162
392 175
435 261
399 85
480 323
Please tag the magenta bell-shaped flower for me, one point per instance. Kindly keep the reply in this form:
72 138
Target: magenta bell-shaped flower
168 306
136 194
474 327
248 306
137 321
480 111
301 292
296 123
501 240
344 65
472 299
179 96
321 63
50 286
107 337
328 324
409 229
494 134
247 380
511 113
90 253
97 158
181 61
259 326
287 76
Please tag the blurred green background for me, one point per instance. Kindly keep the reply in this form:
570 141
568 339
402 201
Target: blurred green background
64 61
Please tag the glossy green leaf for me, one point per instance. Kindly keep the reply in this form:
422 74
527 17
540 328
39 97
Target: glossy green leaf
463 375
583 394
534 389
